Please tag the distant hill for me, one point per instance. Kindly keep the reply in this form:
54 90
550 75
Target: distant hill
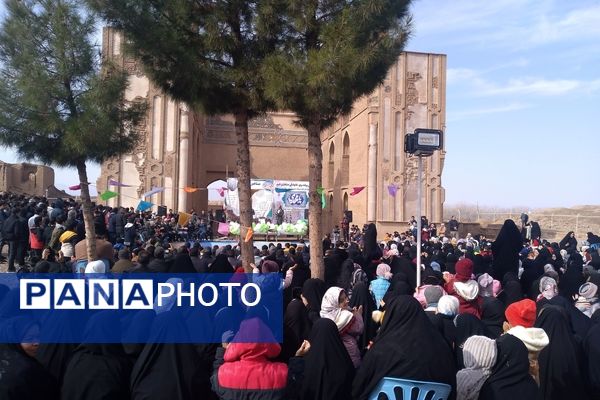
554 221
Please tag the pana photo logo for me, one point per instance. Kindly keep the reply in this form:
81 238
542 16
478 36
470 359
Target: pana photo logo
199 308
128 294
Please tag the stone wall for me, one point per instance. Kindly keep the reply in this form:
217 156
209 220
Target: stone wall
29 179
366 148
180 147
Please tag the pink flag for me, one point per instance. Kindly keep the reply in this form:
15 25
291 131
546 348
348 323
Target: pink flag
356 190
112 182
392 189
75 187
223 229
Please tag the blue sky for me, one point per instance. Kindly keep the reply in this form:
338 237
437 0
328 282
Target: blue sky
523 93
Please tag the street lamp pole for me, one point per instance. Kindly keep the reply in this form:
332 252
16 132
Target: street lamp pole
419 219
422 143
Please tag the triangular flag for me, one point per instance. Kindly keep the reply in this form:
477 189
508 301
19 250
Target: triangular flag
183 218
356 190
321 191
249 234
112 182
189 189
392 189
221 191
152 191
75 187
144 205
223 229
108 195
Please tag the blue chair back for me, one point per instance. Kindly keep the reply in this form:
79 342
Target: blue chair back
404 389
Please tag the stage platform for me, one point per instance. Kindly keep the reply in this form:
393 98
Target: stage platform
257 243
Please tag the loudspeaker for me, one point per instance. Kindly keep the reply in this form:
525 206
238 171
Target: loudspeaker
162 211
348 215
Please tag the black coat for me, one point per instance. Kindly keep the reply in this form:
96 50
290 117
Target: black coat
510 377
98 371
166 370
407 346
21 376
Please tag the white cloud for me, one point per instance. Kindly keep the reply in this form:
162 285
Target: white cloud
459 15
474 112
481 86
458 75
541 87
507 24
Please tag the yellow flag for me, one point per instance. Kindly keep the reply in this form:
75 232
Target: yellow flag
183 218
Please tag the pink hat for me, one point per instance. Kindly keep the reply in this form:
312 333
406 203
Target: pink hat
496 287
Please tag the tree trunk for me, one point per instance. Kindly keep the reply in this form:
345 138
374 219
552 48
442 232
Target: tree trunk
315 211
88 217
244 191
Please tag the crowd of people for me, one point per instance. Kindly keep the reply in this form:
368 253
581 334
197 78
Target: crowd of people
510 318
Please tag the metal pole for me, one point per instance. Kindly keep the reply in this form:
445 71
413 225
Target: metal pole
419 227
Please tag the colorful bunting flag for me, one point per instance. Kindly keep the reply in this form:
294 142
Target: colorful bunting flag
189 189
112 182
75 187
152 191
223 229
356 190
108 195
249 234
183 218
144 205
392 190
321 191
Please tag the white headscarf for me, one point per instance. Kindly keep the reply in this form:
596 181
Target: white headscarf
548 288
330 308
448 305
95 267
479 353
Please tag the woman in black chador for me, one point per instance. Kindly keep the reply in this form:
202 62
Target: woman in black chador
510 377
505 250
408 347
371 251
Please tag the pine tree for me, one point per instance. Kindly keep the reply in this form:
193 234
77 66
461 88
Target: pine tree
56 105
209 55
333 52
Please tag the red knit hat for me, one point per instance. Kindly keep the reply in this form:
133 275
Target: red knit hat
464 270
521 313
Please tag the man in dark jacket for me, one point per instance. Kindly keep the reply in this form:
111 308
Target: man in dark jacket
3 217
158 264
120 223
205 260
112 225
16 232
99 225
453 227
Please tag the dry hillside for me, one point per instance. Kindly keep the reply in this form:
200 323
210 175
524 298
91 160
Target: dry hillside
555 222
